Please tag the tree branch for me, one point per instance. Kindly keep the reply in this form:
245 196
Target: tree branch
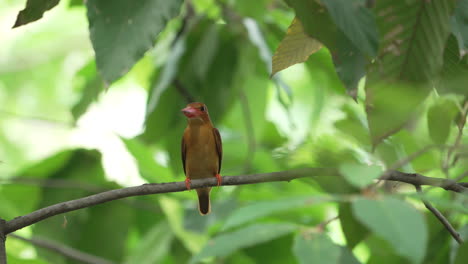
146 189
3 258
440 217
418 179
64 250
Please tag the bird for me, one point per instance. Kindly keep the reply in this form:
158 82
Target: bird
202 151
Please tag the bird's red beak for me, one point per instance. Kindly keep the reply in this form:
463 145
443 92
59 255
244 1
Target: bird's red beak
190 112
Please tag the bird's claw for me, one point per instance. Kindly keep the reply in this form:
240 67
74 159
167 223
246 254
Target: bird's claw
187 183
218 177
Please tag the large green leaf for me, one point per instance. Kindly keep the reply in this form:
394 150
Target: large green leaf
276 251
397 222
357 23
122 31
228 243
405 55
318 248
98 235
460 22
454 74
17 260
440 119
438 248
20 198
154 245
295 47
88 229
348 59
261 209
205 73
382 252
90 84
353 230
360 175
34 10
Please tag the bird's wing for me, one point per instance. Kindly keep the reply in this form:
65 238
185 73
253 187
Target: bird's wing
219 147
184 152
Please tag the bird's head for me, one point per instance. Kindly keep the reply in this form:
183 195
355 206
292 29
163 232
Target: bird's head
196 112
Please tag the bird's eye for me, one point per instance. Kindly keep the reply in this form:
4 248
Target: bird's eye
202 108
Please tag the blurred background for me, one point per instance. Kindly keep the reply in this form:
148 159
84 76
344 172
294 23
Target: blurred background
66 133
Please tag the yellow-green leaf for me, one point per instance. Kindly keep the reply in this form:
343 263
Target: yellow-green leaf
296 47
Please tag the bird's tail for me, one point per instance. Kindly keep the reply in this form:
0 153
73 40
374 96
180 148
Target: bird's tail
204 200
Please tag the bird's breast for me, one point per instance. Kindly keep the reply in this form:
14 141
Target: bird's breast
201 156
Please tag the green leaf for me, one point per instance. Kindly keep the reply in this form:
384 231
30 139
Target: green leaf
381 252
154 245
406 61
353 230
276 251
454 74
167 76
397 222
360 175
149 169
261 209
17 260
33 11
98 235
318 248
227 243
90 83
296 47
174 213
357 23
462 254
440 119
122 31
438 248
460 22
317 22
83 169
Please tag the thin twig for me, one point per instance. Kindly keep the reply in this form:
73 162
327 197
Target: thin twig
146 189
440 217
64 250
321 226
180 87
402 162
250 132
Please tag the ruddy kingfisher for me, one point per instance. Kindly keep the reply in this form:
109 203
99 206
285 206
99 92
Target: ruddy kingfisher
202 151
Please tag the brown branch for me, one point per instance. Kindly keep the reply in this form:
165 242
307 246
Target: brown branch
64 250
3 257
146 189
418 179
440 217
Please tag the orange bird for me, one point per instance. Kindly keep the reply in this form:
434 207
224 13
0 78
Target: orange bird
202 151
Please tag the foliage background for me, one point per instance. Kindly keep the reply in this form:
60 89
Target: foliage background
69 128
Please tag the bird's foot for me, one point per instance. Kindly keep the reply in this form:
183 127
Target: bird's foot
187 183
218 177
